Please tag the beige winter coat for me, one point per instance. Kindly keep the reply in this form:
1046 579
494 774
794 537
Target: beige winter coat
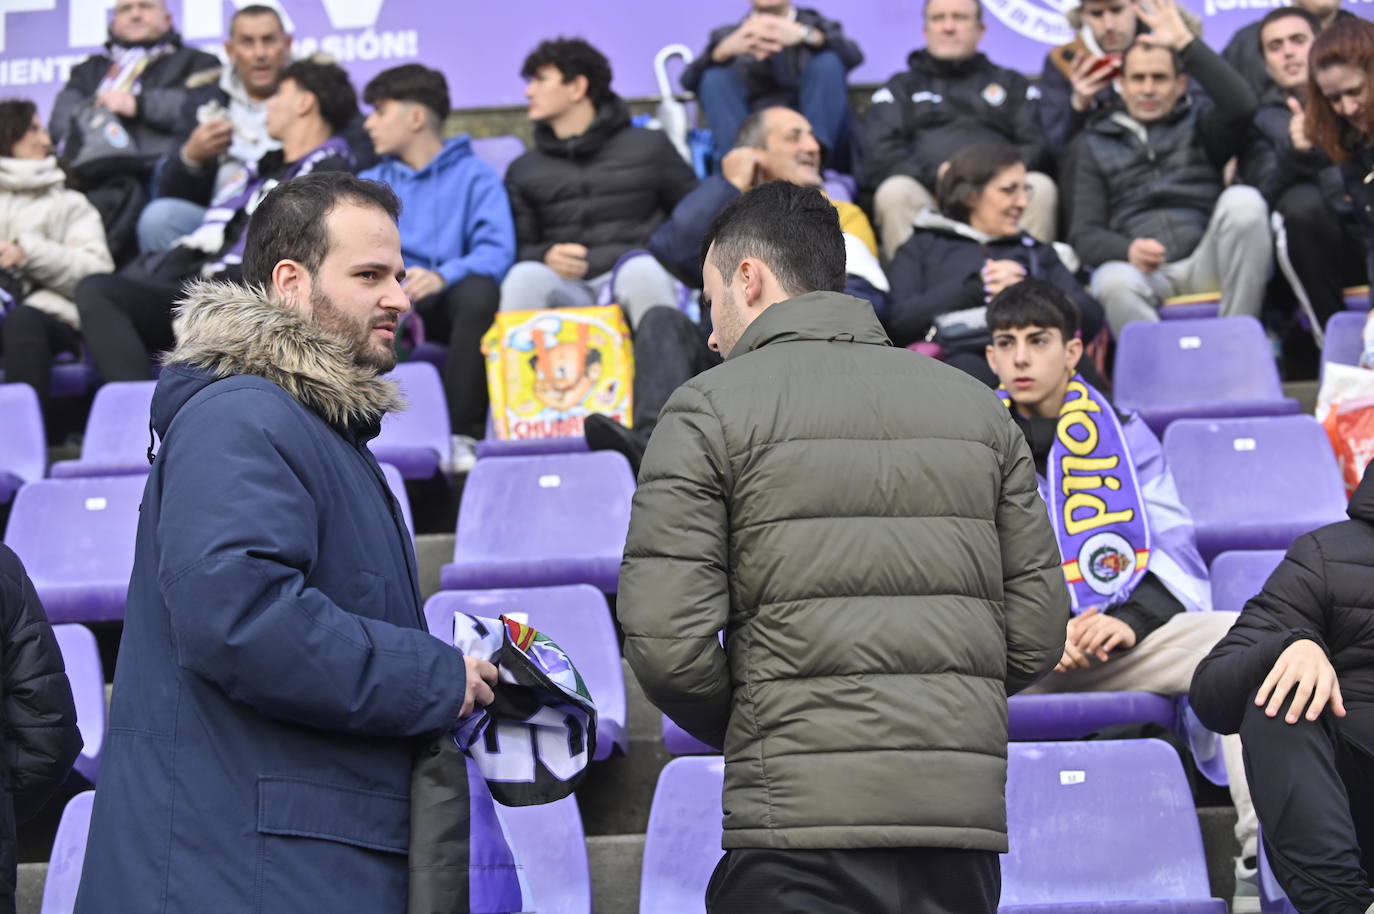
59 231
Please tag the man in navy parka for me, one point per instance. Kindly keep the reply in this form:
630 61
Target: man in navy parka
275 671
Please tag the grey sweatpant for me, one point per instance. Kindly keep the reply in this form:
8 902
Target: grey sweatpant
640 284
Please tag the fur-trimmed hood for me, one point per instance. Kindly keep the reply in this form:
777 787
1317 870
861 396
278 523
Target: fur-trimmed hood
223 330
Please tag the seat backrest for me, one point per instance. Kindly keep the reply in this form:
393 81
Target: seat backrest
117 428
1239 575
1254 483
548 505
682 844
551 849
575 616
1187 361
85 672
76 533
23 445
398 489
498 151
1100 821
424 421
68 855
1344 339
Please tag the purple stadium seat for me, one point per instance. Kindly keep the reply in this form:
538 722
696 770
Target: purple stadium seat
1357 298
117 437
1198 369
541 521
1239 575
498 151
1272 897
840 186
516 447
1344 340
679 742
1073 715
23 445
577 618
682 844
1191 307
417 441
73 377
81 656
68 855
551 850
1254 483
76 538
397 485
1102 826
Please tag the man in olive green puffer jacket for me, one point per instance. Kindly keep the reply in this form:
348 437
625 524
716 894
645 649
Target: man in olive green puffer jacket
864 525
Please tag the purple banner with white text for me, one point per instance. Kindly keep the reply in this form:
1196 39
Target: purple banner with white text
480 46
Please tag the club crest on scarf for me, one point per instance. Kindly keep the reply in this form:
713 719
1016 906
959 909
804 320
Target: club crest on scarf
1095 502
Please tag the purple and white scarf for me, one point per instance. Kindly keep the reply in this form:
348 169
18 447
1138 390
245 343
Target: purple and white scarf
127 65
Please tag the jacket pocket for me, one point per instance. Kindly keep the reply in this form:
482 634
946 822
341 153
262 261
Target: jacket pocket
308 809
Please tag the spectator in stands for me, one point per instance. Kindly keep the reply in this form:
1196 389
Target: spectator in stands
1295 678
1150 210
227 111
39 717
1298 180
1244 51
592 190
141 77
872 605
1136 628
53 240
1338 117
774 144
277 666
457 237
127 316
949 98
969 250
780 54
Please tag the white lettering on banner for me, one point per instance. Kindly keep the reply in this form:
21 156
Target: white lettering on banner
37 71
367 46
89 23
21 6
1044 23
205 18
352 14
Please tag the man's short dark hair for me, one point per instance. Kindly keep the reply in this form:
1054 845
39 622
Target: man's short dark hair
16 117
331 87
794 230
573 57
970 171
410 82
1142 42
1034 303
977 10
291 222
256 9
1284 12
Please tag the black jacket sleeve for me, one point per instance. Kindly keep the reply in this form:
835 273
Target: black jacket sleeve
80 88
529 233
1294 605
1090 235
1148 607
1225 124
1025 126
41 738
923 289
677 243
691 77
835 39
181 180
889 138
1059 122
1091 316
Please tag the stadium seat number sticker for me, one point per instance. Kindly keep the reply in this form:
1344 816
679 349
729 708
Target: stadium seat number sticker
1072 777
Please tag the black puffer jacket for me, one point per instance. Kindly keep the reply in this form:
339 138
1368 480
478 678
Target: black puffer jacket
1159 180
933 109
608 188
938 270
156 125
1322 591
1271 165
40 739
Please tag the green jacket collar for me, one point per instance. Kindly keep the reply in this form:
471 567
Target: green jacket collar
828 316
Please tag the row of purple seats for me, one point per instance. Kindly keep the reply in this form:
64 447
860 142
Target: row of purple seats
1131 796
81 657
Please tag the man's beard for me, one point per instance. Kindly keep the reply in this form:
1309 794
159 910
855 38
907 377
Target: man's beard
366 351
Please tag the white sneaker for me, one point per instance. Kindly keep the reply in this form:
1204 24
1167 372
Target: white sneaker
462 455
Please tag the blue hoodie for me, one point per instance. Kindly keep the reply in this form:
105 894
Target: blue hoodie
455 216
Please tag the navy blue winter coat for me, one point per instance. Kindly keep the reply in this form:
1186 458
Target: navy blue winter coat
274 670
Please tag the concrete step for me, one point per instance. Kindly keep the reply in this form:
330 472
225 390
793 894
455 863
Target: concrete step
615 862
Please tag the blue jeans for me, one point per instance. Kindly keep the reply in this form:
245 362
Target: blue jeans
821 98
166 219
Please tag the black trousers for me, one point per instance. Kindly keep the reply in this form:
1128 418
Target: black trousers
1313 788
876 881
125 322
459 315
31 339
670 350
1326 252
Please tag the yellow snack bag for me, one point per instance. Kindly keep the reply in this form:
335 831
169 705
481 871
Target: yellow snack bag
547 370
